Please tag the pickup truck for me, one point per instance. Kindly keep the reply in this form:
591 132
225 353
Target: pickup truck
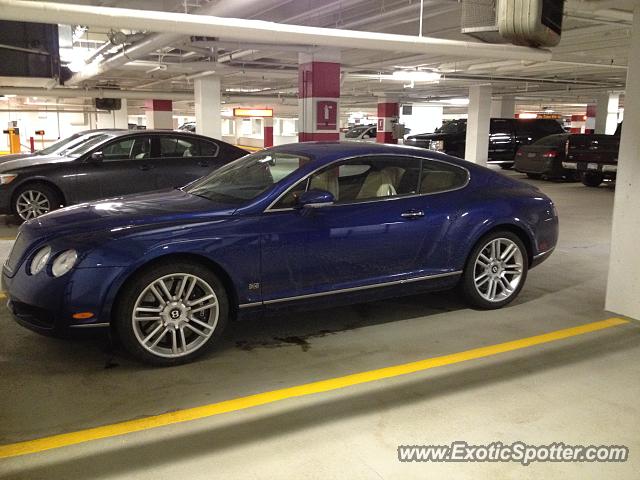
506 135
593 157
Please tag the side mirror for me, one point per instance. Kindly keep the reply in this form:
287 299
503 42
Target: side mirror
96 157
316 199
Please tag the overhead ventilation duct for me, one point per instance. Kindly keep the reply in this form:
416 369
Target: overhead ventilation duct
534 23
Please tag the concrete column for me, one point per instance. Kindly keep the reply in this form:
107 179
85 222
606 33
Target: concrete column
159 114
207 105
319 94
477 144
388 114
607 113
578 123
121 117
267 131
590 121
623 286
503 107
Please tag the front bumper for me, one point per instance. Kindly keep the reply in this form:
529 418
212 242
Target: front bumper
46 304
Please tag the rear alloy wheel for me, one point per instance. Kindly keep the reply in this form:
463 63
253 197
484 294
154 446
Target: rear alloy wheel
172 314
591 179
33 201
496 271
506 166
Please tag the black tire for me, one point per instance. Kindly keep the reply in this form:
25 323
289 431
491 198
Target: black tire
468 285
534 176
506 166
123 321
591 179
35 190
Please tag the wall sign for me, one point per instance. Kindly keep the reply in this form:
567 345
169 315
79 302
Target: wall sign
326 115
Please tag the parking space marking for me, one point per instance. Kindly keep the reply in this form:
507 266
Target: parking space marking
242 403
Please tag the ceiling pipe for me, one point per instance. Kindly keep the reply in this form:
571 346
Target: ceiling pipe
95 93
255 30
156 41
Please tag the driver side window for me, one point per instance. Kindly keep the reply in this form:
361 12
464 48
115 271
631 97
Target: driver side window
131 148
360 179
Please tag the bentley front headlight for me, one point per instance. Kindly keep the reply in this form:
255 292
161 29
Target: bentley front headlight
64 262
40 260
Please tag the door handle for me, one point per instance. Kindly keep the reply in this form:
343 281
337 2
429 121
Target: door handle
203 164
144 168
413 214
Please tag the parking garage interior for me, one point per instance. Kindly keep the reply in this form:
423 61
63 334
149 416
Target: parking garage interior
343 389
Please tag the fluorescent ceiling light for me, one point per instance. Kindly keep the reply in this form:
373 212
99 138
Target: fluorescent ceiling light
458 101
415 76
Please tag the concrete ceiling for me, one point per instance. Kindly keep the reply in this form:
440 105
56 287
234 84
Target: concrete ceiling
591 57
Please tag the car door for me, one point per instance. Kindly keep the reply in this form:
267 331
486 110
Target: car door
125 168
183 159
502 143
381 228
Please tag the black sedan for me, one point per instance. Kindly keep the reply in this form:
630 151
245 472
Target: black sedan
544 158
111 163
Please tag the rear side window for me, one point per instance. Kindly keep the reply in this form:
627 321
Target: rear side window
538 128
439 177
172 147
500 127
208 149
552 141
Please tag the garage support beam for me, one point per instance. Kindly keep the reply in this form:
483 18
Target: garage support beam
477 143
319 95
267 131
207 106
607 113
623 287
159 114
121 117
388 114
503 107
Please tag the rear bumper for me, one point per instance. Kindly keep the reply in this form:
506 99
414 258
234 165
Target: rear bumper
606 169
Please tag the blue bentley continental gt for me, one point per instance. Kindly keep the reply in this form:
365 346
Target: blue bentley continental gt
298 225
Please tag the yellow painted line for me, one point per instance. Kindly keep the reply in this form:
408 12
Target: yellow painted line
2 295
251 149
242 403
8 238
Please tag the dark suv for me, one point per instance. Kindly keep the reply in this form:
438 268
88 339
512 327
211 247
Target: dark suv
506 135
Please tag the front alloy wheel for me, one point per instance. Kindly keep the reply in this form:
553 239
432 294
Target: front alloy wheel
172 314
496 271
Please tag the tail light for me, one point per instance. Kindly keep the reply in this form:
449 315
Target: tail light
519 153
550 154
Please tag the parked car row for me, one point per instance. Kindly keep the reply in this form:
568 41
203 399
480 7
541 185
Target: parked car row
588 158
506 136
106 163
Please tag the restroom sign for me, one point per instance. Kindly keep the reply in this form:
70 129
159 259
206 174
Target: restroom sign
326 115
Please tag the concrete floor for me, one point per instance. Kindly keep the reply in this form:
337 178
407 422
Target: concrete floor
582 390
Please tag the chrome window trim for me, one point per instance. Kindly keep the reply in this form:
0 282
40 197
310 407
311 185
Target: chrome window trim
270 208
352 289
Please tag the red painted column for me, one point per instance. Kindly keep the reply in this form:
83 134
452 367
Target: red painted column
577 123
267 131
318 96
388 113
590 122
159 114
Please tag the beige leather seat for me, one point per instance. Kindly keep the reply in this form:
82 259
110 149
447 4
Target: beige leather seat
437 182
327 181
381 183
